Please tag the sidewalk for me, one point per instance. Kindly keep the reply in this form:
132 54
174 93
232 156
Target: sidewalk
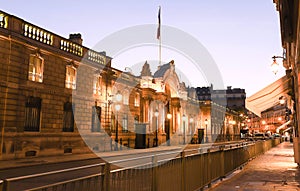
273 171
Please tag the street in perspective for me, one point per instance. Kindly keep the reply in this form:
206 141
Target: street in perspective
158 96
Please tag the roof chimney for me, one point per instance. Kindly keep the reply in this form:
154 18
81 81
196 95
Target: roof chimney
76 38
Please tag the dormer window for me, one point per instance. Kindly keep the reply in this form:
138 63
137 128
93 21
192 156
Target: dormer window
36 68
70 77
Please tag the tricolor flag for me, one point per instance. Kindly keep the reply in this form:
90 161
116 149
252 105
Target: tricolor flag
158 29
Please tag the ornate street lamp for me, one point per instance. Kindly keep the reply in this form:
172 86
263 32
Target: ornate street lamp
192 130
169 117
282 100
206 137
183 120
156 113
275 65
117 107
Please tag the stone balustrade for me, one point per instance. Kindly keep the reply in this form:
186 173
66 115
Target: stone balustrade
31 31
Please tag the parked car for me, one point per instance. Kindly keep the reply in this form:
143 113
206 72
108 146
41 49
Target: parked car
260 136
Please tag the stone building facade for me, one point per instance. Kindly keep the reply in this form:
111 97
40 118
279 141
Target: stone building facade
223 112
59 97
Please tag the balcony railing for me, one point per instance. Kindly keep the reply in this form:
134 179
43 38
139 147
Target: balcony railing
71 47
31 31
37 34
96 57
3 20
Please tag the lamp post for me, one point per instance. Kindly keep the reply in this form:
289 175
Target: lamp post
117 107
192 130
156 113
169 117
282 100
183 120
206 123
275 65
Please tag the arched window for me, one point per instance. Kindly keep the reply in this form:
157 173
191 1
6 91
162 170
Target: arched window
137 100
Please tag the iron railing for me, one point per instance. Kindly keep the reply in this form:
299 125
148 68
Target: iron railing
190 170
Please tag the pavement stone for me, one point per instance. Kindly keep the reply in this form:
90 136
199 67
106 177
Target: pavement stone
274 170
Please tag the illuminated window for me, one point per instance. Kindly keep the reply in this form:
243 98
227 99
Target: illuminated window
36 68
32 114
70 77
125 97
97 85
137 100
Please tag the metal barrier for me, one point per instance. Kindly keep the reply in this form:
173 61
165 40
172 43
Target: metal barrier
58 179
183 173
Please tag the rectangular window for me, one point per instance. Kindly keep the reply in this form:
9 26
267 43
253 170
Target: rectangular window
68 118
32 114
97 85
125 123
36 68
70 77
126 97
96 119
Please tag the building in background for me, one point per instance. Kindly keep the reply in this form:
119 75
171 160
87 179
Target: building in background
223 112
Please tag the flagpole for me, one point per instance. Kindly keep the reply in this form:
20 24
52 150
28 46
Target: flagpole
160 51
159 35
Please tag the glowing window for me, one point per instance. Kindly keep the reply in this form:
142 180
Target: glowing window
137 100
125 97
36 68
97 85
70 77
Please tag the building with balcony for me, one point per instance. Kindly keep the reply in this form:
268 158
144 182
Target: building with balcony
60 97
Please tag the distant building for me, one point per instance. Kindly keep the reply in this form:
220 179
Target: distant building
224 111
230 98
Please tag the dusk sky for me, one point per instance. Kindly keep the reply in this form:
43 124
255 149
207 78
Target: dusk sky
241 36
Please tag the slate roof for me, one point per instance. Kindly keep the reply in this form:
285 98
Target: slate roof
162 70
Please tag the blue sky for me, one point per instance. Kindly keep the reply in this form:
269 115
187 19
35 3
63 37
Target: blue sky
240 35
